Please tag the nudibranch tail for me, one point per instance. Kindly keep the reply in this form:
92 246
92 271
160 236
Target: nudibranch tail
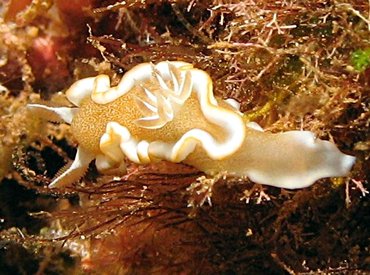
293 159
297 160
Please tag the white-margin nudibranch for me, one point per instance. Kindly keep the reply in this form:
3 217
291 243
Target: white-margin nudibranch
167 111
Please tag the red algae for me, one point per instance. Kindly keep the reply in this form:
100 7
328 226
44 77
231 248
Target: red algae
291 65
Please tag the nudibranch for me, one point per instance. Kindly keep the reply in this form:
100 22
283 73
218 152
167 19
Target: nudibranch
167 111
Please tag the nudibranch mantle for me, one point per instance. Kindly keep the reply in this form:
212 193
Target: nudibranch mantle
167 111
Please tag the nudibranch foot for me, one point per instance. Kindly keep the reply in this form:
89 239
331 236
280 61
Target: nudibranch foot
167 111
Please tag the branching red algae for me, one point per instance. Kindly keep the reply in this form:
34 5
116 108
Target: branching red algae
291 66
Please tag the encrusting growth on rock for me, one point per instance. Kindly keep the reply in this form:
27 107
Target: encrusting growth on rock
168 111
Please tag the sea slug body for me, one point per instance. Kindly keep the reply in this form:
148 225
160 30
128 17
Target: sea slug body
167 111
